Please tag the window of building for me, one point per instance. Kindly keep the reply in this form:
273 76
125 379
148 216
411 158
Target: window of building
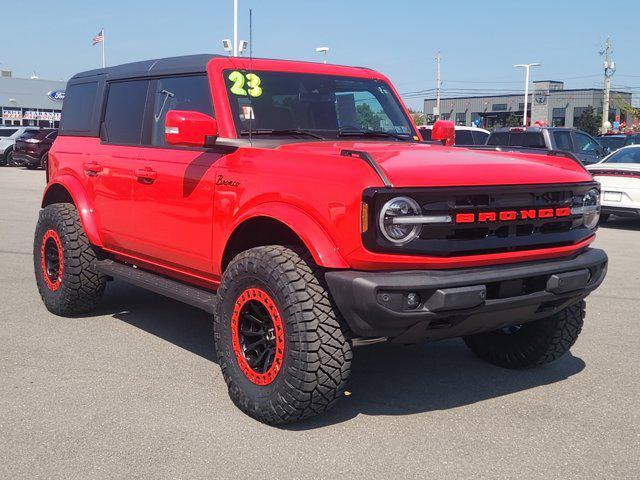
563 140
445 116
461 118
178 93
78 107
499 106
125 112
558 117
577 113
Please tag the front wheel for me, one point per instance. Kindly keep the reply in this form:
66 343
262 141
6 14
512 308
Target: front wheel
282 346
62 257
531 344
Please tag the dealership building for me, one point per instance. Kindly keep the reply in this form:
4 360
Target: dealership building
30 101
549 102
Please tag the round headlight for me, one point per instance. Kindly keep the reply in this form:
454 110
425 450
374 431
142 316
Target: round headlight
394 209
591 208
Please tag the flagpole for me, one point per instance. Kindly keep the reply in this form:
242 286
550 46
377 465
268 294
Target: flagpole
104 63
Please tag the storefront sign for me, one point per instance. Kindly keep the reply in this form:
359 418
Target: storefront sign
57 95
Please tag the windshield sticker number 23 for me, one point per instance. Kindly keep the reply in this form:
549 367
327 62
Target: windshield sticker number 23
251 80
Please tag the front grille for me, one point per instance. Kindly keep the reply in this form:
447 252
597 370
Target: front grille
458 239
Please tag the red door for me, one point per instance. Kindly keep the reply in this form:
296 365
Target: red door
173 207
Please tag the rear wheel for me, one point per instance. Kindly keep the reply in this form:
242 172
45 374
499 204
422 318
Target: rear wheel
531 344
44 161
282 347
7 158
62 257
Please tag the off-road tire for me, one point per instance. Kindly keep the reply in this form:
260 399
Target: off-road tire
533 344
78 288
317 350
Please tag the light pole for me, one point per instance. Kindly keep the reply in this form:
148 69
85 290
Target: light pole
235 28
324 50
526 66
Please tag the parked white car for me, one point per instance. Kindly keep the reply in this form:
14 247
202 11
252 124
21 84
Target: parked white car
464 135
619 176
8 137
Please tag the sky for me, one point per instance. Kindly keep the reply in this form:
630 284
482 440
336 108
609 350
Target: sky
479 41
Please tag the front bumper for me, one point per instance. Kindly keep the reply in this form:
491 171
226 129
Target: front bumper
461 302
22 159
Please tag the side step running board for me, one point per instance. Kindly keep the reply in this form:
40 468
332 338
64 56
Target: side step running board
194 296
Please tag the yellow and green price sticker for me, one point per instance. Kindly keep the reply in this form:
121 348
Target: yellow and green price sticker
250 80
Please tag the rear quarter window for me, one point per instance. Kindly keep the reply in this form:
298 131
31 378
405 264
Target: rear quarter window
78 108
464 137
498 138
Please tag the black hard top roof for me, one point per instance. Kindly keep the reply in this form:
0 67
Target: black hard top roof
159 66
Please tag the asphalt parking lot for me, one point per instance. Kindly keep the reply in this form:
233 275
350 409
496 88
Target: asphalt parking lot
133 391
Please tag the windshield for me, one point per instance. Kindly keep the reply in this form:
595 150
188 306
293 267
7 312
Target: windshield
626 155
323 106
612 143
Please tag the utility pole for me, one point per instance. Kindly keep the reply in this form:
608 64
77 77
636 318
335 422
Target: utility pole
436 113
609 69
527 67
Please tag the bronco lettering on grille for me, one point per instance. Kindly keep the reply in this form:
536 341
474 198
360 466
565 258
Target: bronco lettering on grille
512 215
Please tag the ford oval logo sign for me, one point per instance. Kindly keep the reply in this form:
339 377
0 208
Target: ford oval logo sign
57 95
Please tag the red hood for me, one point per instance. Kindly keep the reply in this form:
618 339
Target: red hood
428 165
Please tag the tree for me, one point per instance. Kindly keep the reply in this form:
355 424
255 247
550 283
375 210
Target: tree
367 118
588 121
512 121
418 117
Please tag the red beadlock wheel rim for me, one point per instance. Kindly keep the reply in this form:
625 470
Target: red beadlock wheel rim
257 336
52 260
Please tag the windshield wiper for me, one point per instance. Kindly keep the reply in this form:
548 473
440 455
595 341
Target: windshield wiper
291 131
371 133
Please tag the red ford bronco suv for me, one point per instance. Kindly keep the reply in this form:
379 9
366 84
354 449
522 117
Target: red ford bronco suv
295 203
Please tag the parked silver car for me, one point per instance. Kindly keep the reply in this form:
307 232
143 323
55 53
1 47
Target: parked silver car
8 137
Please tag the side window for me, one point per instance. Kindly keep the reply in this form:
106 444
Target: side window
480 138
563 140
584 143
464 137
52 135
77 110
533 140
178 93
125 111
498 138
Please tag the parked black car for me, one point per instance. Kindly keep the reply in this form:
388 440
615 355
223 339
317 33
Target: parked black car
582 145
611 143
32 148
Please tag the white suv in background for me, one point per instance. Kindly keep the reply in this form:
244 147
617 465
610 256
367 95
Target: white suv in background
8 137
619 177
464 135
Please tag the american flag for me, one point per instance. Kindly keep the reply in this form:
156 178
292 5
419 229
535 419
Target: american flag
99 38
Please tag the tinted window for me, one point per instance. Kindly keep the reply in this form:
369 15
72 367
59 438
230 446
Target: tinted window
627 155
584 143
611 142
480 138
498 138
178 93
464 137
125 111
7 132
79 102
29 134
426 133
563 140
633 140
